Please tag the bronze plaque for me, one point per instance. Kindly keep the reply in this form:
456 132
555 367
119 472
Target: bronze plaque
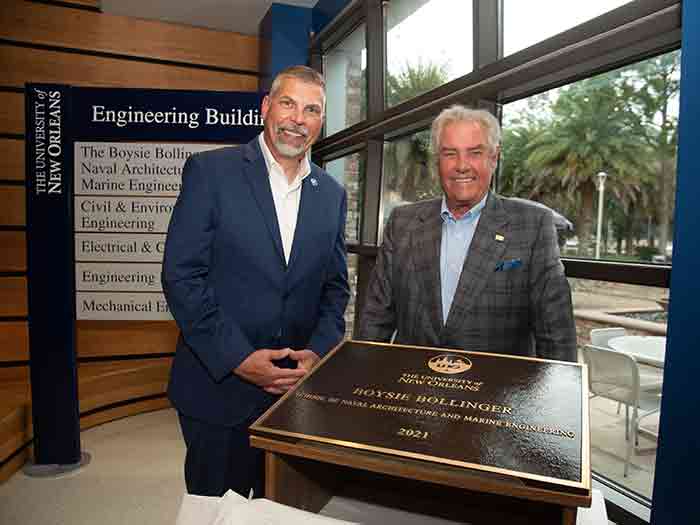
517 416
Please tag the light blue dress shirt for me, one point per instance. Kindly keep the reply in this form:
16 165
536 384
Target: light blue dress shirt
457 235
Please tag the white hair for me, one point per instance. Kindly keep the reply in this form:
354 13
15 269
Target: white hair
458 113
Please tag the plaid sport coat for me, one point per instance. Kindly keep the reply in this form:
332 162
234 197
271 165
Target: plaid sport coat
512 296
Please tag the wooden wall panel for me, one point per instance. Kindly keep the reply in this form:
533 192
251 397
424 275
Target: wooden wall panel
12 206
20 65
13 296
15 432
52 25
84 3
14 341
11 159
101 384
105 338
12 466
11 112
14 394
17 375
104 416
13 252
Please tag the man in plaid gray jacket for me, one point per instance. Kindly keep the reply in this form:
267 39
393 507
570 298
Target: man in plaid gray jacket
472 270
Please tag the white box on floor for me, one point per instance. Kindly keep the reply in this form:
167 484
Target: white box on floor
234 509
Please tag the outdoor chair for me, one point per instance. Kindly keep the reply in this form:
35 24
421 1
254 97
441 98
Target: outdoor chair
615 375
601 336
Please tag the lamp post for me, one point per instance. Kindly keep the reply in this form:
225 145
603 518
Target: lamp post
601 191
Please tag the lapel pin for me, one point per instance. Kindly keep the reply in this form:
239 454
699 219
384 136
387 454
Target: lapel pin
500 238
314 182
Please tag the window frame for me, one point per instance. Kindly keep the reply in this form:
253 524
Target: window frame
625 35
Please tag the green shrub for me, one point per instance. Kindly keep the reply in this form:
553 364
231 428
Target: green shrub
645 252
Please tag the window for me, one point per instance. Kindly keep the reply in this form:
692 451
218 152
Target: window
350 172
611 140
622 123
350 310
630 310
408 174
429 42
346 92
556 147
549 16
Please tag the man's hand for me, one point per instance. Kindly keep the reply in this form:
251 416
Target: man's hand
306 359
258 368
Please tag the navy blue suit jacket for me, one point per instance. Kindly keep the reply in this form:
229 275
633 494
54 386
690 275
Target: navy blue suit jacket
229 288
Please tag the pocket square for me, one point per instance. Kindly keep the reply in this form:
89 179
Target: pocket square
508 265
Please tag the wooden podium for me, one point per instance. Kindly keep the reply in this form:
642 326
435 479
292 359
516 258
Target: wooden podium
314 448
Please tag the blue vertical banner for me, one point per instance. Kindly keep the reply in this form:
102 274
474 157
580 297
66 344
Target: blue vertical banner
51 286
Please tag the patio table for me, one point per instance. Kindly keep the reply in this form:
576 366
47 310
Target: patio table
648 350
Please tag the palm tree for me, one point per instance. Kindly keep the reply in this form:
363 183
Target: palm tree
408 174
592 130
653 88
413 80
407 167
514 177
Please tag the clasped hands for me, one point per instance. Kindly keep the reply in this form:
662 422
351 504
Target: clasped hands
259 368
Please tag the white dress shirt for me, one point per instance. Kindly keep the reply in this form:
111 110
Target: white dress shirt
286 196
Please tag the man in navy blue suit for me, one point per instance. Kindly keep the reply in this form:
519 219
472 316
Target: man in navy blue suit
255 275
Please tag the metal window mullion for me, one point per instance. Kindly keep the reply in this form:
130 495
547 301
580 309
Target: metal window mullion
372 192
487 32
339 28
376 57
376 67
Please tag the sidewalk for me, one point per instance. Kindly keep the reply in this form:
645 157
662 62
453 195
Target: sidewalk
598 304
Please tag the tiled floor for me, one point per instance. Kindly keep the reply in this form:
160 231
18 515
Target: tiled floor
608 448
135 475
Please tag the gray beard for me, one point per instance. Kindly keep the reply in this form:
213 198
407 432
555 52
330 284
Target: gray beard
288 151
